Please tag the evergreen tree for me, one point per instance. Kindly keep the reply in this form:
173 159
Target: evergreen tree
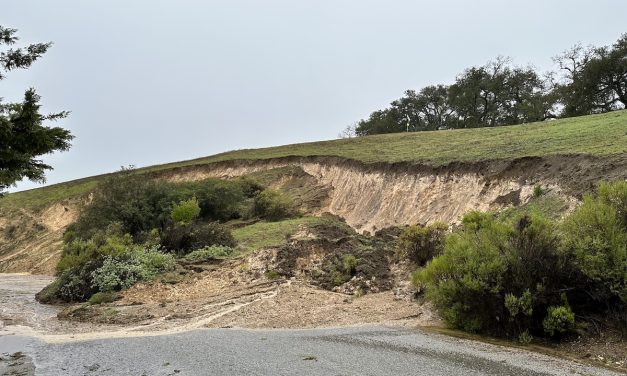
23 135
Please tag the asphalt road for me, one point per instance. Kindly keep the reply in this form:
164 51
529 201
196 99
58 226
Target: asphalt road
30 328
344 351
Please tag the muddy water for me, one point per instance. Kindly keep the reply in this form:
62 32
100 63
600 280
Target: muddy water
18 306
21 314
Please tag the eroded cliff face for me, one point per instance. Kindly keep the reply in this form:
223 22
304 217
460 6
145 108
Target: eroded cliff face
370 199
368 196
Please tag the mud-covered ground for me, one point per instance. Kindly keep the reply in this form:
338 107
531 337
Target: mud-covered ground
230 296
32 336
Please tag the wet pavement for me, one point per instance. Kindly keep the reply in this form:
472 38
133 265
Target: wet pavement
29 345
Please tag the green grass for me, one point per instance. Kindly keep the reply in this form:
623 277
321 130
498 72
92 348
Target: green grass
271 234
267 177
39 198
603 134
599 135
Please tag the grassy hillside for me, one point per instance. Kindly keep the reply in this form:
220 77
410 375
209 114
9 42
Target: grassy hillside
271 234
599 135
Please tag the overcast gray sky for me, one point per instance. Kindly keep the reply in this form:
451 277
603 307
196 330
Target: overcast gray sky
152 81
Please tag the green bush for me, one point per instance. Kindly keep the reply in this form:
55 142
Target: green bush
122 272
74 284
615 195
595 239
349 264
103 243
105 262
538 191
496 277
559 320
421 243
525 338
272 275
209 253
523 274
141 204
185 211
183 239
273 206
104 250
137 203
221 200
340 269
102 297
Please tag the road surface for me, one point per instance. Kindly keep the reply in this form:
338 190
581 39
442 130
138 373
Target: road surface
363 350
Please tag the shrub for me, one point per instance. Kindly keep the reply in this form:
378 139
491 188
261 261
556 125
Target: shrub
209 253
273 206
615 195
340 269
221 200
76 253
538 191
595 238
185 211
272 275
108 261
102 297
185 238
421 243
138 203
74 284
349 264
118 273
522 274
559 320
102 243
339 278
525 338
495 276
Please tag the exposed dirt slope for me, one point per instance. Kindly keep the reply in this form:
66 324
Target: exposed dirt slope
368 196
374 196
32 242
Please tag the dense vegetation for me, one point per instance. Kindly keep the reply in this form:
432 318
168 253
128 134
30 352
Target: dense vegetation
523 274
135 229
589 81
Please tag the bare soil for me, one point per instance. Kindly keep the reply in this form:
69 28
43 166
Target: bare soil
297 294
